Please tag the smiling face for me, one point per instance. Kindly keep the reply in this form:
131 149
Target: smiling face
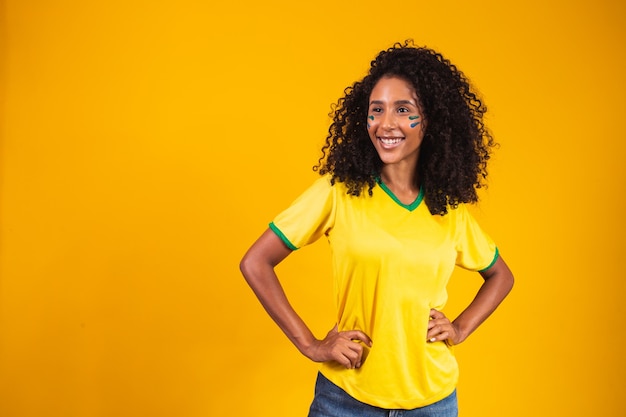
395 122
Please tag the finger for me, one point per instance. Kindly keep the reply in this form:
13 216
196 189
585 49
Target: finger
438 322
358 335
436 314
432 333
353 350
344 361
436 330
350 364
435 338
348 358
441 336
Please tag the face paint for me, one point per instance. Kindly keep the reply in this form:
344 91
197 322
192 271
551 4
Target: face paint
413 118
371 118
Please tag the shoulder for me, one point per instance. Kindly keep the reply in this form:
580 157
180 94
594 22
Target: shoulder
460 212
454 214
326 184
319 192
321 186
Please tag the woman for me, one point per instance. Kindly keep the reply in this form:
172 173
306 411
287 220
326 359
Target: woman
406 151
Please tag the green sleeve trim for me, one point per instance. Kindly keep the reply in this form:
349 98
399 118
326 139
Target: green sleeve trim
280 234
495 258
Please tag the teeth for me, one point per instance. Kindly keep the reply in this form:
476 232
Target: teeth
390 141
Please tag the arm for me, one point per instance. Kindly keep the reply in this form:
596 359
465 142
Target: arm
498 283
257 267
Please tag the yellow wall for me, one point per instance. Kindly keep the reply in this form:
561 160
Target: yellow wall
146 144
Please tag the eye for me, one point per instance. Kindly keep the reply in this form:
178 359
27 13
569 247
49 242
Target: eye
403 110
376 110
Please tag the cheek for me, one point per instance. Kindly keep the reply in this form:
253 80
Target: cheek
414 122
372 128
371 123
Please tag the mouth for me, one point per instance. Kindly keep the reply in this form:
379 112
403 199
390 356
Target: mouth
390 141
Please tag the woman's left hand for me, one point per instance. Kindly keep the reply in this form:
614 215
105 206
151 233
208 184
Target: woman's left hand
498 282
441 329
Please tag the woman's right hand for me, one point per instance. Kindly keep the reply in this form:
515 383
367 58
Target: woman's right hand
342 347
257 267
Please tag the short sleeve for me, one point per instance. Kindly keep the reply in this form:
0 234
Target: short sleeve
309 217
476 251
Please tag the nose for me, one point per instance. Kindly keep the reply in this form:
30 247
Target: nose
389 121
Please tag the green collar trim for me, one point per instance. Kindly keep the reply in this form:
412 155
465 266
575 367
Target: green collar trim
410 207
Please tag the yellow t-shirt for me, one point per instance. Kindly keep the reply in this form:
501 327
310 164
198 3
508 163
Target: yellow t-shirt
391 264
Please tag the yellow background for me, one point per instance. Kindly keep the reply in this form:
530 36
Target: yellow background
146 144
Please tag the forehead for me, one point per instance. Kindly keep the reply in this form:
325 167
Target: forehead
393 86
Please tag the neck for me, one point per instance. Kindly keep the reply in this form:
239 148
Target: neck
400 178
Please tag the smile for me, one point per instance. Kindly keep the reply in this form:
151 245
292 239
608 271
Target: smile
390 141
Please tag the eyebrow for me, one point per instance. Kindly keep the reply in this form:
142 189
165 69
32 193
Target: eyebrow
396 102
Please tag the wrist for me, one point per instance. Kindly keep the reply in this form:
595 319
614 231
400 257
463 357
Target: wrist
306 346
461 333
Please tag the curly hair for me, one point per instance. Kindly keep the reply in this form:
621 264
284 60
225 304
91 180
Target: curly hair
456 146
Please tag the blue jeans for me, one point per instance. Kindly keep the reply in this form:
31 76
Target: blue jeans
332 401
